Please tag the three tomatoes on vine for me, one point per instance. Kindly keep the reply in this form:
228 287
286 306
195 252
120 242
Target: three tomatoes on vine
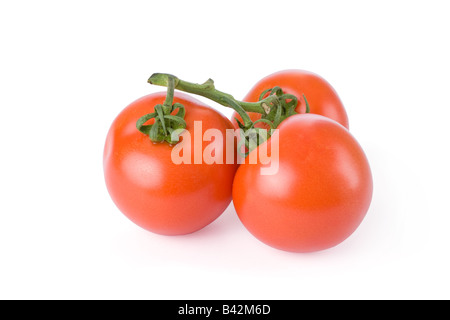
316 198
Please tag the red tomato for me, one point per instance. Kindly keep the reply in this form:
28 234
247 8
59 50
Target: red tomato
153 191
320 193
321 96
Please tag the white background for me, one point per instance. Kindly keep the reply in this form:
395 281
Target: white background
67 68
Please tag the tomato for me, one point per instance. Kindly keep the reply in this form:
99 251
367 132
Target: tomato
153 191
318 195
321 96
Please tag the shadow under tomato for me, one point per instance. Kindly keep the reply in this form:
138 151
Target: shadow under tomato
227 223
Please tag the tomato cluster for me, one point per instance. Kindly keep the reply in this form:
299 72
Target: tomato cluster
315 198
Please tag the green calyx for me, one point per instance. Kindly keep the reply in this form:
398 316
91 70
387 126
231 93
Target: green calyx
287 103
167 126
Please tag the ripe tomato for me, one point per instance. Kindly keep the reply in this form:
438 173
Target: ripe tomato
321 96
153 191
318 196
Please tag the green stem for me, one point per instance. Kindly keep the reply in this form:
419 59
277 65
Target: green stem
276 107
167 105
208 90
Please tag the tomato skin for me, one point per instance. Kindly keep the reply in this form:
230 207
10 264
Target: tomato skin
151 190
318 197
321 96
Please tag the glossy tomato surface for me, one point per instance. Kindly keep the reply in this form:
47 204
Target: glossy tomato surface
153 191
319 194
321 96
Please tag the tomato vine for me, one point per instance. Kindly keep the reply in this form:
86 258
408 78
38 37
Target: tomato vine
274 105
